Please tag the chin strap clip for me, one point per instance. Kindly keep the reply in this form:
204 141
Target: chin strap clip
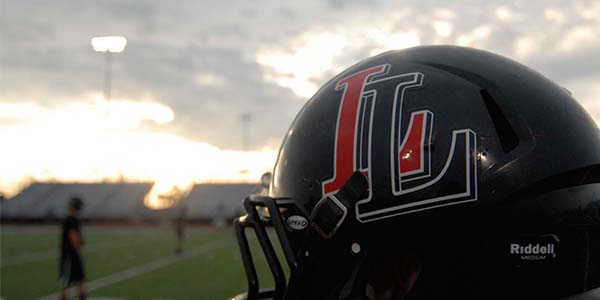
331 211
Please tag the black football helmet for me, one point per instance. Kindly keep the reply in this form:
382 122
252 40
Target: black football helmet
433 172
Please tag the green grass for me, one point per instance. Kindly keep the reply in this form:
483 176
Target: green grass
29 263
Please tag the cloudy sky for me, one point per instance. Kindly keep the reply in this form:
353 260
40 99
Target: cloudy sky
192 69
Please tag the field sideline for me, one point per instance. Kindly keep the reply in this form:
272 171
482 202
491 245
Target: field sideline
126 263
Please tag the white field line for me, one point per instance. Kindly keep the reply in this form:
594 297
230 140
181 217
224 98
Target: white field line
49 254
93 229
145 268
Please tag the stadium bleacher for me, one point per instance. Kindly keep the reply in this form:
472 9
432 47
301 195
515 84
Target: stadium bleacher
208 201
103 201
124 202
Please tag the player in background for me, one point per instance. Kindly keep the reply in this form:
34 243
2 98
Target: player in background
179 226
71 263
179 234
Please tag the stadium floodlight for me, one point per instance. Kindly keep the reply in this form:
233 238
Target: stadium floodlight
108 45
112 44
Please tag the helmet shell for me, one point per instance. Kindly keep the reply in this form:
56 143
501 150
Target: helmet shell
523 129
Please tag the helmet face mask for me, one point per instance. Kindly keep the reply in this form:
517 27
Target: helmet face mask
258 222
436 173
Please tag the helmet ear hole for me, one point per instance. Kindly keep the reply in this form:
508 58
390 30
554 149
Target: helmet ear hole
506 133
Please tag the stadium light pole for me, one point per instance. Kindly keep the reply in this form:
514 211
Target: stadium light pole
246 119
108 45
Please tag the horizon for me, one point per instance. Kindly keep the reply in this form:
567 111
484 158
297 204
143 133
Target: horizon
202 91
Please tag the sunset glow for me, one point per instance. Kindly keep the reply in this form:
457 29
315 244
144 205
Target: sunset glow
177 92
310 56
93 140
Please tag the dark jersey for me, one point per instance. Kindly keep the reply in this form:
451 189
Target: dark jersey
71 264
70 223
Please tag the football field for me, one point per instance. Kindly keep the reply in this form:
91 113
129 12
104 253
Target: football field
126 263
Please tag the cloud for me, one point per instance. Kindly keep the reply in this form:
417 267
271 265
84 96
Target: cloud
580 36
312 55
506 14
395 40
554 15
587 91
93 140
191 70
211 80
443 28
92 113
218 61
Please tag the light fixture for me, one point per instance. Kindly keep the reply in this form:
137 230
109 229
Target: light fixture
113 44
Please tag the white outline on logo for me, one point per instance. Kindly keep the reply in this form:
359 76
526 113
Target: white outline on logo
468 189
344 86
428 120
396 185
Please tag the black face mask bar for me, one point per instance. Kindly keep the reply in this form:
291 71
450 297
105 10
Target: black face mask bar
327 217
255 220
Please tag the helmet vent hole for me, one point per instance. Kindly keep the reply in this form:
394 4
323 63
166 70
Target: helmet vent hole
506 133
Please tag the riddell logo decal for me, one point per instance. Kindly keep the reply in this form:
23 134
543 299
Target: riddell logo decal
533 252
540 248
